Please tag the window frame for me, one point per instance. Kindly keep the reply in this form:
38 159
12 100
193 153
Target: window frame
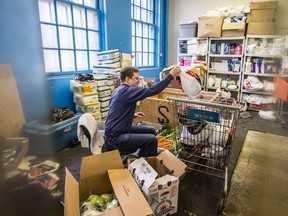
71 4
161 38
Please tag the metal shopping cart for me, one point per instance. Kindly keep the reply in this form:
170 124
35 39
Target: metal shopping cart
281 93
205 128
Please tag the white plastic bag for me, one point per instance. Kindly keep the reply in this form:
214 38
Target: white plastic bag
189 82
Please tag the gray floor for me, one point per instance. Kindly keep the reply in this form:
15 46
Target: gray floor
199 193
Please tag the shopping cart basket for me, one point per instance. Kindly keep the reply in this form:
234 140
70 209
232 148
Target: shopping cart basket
205 129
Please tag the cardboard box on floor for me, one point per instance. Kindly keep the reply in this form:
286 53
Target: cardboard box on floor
158 178
104 173
210 26
233 29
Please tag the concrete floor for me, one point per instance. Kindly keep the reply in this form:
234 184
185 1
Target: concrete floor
198 194
260 178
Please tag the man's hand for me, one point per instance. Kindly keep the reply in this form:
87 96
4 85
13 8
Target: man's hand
175 71
139 114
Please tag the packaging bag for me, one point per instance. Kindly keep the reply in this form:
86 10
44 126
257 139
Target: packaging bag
189 82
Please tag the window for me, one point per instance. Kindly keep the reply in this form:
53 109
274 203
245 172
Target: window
144 32
70 34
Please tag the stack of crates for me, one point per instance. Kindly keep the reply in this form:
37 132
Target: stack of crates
106 75
86 99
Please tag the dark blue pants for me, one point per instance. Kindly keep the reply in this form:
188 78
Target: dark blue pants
141 137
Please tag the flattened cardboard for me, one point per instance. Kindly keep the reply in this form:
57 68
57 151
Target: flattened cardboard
126 189
12 117
261 16
263 5
261 28
210 26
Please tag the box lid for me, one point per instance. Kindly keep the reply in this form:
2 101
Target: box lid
71 198
142 170
36 127
99 164
177 167
131 199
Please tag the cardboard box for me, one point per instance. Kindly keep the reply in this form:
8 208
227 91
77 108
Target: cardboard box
261 29
261 16
108 54
233 29
88 108
264 5
158 178
104 173
85 88
157 108
85 99
210 26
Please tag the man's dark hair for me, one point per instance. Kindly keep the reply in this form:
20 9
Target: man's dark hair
127 72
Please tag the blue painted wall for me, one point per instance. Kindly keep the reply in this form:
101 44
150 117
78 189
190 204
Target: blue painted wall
21 46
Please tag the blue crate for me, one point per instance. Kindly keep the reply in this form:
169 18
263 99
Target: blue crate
47 139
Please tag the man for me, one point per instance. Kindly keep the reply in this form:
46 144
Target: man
119 132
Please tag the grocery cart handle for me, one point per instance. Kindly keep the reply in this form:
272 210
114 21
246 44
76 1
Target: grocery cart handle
203 103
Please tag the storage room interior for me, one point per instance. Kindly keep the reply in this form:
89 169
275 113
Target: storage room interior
47 167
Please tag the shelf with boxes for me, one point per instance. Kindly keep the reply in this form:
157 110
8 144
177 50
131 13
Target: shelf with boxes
193 52
225 59
262 62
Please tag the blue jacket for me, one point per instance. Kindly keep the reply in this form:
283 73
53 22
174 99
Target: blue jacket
123 104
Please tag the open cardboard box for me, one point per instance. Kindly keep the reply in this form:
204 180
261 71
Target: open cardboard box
105 173
158 178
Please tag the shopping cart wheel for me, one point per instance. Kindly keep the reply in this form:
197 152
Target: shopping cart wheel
221 203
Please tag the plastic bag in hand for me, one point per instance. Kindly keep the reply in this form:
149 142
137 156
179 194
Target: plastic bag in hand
189 82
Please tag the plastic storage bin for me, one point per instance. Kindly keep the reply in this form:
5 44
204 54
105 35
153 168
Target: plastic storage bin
188 30
46 139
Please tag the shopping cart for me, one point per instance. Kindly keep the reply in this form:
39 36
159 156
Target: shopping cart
205 129
281 93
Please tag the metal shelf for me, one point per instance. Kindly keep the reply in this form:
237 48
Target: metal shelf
225 55
258 92
224 72
262 55
259 74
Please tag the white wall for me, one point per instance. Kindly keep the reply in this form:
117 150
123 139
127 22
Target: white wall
183 11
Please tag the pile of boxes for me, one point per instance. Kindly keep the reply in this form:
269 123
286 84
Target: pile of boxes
106 75
260 22
261 18
85 96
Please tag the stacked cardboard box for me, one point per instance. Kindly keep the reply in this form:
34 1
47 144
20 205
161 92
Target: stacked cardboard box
86 98
261 18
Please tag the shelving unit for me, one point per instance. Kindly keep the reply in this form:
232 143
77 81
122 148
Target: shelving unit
262 59
225 60
191 52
